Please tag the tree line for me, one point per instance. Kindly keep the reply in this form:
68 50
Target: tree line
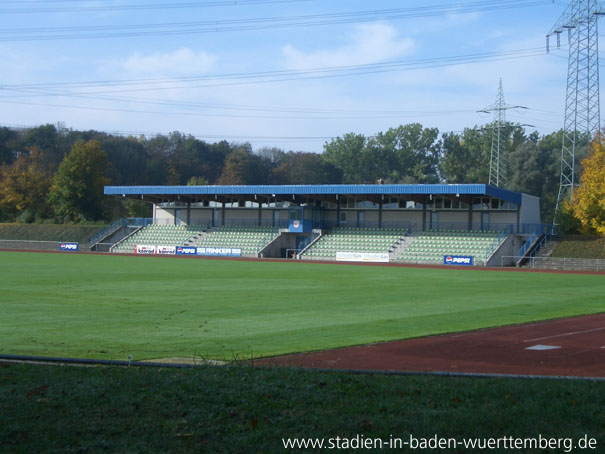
57 174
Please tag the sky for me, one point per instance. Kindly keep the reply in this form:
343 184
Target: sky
291 74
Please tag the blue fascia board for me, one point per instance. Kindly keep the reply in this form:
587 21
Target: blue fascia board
505 194
340 189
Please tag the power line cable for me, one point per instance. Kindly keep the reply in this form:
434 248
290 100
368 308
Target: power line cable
90 95
230 79
144 6
290 116
259 23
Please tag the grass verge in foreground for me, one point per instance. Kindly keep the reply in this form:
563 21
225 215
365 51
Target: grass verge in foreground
246 410
110 307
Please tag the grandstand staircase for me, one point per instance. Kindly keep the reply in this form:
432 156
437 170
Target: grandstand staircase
548 248
198 237
400 247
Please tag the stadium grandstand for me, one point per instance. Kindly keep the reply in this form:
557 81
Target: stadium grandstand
466 224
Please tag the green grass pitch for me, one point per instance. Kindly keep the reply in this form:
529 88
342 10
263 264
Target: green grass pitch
110 307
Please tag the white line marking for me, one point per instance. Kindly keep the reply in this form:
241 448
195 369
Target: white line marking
565 334
543 347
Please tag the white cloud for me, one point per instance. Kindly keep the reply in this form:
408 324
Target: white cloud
371 43
22 66
448 23
182 62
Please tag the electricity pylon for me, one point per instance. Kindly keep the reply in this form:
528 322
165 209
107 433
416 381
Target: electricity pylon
497 160
582 107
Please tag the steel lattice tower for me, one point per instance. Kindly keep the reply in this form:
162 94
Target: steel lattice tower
582 107
497 160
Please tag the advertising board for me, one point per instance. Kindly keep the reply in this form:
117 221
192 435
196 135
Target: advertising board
144 249
458 260
186 250
72 247
378 257
219 252
165 250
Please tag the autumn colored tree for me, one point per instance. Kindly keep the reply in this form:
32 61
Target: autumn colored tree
24 186
197 181
588 202
77 190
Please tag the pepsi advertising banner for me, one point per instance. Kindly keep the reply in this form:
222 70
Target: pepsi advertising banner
182 250
73 247
458 260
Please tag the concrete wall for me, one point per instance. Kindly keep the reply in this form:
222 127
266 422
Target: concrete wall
246 214
412 216
201 216
504 255
460 217
530 210
283 241
330 216
372 216
503 217
164 216
508 251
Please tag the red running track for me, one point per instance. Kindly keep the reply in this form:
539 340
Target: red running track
572 347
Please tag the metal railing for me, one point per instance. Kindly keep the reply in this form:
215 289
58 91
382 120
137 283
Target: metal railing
403 225
496 244
135 230
117 225
139 222
282 223
104 233
316 237
523 249
521 229
542 230
303 244
560 263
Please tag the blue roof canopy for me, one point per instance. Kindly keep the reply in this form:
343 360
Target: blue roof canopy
369 190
